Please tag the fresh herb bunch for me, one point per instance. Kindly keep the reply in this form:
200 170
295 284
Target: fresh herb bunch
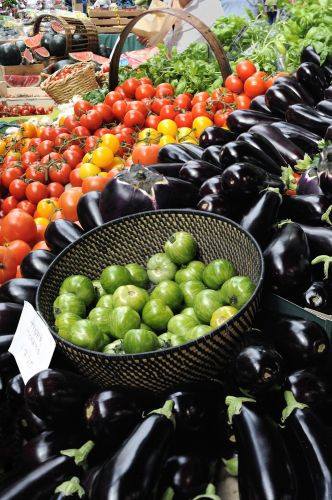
96 96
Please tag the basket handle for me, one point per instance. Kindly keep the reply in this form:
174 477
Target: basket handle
205 31
61 20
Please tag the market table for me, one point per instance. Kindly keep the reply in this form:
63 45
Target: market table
109 40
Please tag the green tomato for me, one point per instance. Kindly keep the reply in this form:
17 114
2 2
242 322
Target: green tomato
160 268
169 293
138 275
193 272
85 334
101 317
181 247
206 302
99 291
198 331
114 276
115 347
70 303
181 323
105 301
217 272
131 296
136 341
221 315
237 291
145 327
165 339
123 319
189 311
156 314
190 289
178 339
64 322
80 286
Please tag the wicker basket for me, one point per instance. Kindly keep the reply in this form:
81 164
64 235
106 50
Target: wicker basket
133 239
102 78
83 79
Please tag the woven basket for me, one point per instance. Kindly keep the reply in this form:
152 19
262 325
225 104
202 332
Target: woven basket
82 80
102 78
133 239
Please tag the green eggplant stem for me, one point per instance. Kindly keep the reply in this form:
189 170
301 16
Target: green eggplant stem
231 466
71 487
326 216
326 259
79 455
210 494
292 405
166 410
235 406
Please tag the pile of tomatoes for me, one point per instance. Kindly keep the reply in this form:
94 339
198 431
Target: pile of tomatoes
24 110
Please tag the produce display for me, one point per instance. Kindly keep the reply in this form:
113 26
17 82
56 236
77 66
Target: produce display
24 110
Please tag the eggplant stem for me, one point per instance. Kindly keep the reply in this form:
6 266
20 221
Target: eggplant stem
292 405
79 454
71 487
283 222
210 494
235 406
231 466
326 216
166 410
169 494
326 259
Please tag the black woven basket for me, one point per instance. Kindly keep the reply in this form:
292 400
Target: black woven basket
134 239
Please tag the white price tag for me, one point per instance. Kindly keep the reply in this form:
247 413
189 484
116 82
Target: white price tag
33 345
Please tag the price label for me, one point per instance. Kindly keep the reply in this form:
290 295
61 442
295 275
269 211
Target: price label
33 345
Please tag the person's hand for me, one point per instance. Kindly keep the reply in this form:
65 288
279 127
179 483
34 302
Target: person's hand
143 41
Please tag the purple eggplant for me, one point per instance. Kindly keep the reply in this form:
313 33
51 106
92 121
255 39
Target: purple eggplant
215 136
308 388
259 142
324 171
18 290
177 153
305 208
262 216
10 314
198 171
309 183
242 120
319 239
212 154
292 83
140 189
167 169
35 264
243 151
15 391
30 425
279 97
309 118
303 138
5 341
317 297
60 233
195 150
287 261
216 204
309 54
328 93
328 135
325 106
258 104
88 212
211 186
312 77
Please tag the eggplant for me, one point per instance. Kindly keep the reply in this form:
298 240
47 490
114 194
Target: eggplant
309 118
263 456
167 169
246 180
60 233
88 212
305 208
217 204
309 183
140 189
194 149
8 366
324 170
198 171
10 314
328 134
110 416
286 148
242 151
324 271
30 425
259 142
328 93
262 216
301 137
15 391
319 239
215 136
57 395
5 341
18 290
292 83
312 442
325 106
176 153
287 261
71 489
133 472
242 120
301 342
279 97
258 370
212 154
308 388
258 104
312 77
35 264
309 54
211 186
317 297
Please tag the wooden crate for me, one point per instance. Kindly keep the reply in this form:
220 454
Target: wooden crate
112 21
24 69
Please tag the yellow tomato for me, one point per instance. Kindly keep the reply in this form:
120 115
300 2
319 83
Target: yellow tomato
185 133
102 174
25 145
87 158
42 221
15 155
111 142
29 130
149 136
62 120
166 139
168 127
88 170
47 207
2 147
200 124
102 157
117 161
189 140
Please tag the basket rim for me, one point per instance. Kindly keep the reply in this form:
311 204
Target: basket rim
166 350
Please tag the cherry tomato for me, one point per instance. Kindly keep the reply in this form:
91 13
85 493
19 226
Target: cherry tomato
119 89
29 130
45 148
152 121
34 143
146 155
8 204
164 90
144 91
182 101
47 133
75 147
60 130
19 249
244 69
106 112
242 101
82 107
40 234
102 131
88 170
68 203
27 207
92 120
200 97
36 191
134 119
130 86
63 141
55 189
102 157
119 109
168 112
254 86
52 157
18 225
47 207
17 188
90 143
202 109
225 96
18 272
72 157
70 122
75 178
36 172
200 124
80 131
112 97
146 81
184 119
9 174
111 142
60 173
158 104
8 266
220 118
95 183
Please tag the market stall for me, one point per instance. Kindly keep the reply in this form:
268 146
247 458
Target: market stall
165 283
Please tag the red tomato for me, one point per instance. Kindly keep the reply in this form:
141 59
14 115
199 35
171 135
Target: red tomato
202 109
60 173
34 143
45 148
18 225
234 84
27 207
242 101
82 107
36 191
223 95
200 97
41 245
102 131
70 122
36 172
119 109
158 104
55 189
8 264
168 112
106 112
95 183
75 178
244 69
137 106
52 157
184 119
60 130
262 74
18 272
112 97
75 147
9 174
130 86
40 235
72 157
17 188
152 121
63 141
28 158
146 155
19 249
220 118
254 86
92 120
80 131
144 91
182 101
68 203
134 119
8 204
90 143
47 134
117 129
146 81
164 90
119 89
